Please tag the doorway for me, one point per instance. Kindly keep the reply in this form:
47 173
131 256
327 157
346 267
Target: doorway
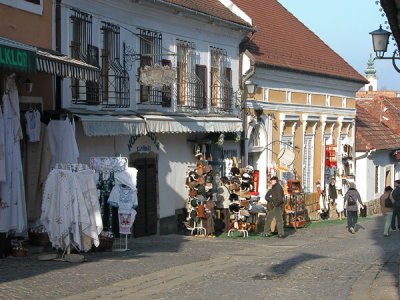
147 187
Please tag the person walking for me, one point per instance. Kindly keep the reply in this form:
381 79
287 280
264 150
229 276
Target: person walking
396 208
352 200
275 196
386 202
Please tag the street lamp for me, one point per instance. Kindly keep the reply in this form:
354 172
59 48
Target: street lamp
380 41
251 88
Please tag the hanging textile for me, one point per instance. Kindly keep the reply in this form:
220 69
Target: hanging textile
70 208
124 196
63 146
12 194
33 125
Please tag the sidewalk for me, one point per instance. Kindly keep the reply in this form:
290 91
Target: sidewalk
302 266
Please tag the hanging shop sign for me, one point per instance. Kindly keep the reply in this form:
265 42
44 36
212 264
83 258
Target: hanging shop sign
142 146
17 59
157 75
286 157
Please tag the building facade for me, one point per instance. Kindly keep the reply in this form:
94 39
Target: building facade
305 102
158 122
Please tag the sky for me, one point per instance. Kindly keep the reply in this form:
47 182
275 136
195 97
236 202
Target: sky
344 25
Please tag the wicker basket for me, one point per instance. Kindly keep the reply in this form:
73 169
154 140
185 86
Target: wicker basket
106 244
39 238
19 252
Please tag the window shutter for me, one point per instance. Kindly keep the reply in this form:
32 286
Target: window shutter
308 163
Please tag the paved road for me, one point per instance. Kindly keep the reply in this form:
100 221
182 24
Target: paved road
318 262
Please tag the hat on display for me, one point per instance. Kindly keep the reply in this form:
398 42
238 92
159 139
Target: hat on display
193 176
245 177
235 171
207 168
249 169
209 178
224 179
201 180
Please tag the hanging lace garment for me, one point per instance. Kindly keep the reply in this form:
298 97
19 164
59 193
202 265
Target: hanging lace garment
70 209
124 196
12 192
63 146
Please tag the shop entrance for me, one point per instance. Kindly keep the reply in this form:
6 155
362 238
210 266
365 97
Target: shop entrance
146 218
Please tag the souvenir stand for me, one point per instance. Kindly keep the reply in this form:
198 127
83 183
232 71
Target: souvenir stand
117 197
70 208
295 207
197 194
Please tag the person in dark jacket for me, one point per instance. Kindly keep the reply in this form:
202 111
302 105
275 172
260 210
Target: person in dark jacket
275 196
332 191
396 207
352 200
387 211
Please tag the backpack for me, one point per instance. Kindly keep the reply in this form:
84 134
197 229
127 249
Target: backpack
388 202
351 201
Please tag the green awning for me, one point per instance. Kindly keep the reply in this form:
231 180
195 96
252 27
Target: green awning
15 56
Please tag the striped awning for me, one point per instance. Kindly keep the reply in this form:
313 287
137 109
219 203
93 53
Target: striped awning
112 125
188 124
65 66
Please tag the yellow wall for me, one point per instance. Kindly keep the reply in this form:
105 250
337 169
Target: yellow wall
277 96
299 98
351 103
259 95
319 100
298 141
318 153
336 101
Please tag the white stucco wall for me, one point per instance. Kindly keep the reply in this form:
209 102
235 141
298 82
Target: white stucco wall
174 157
365 173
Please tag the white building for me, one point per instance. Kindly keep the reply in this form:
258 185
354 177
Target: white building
156 126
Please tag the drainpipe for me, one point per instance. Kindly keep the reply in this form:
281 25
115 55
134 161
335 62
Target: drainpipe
58 86
243 106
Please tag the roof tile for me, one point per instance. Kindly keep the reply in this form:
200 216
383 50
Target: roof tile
283 41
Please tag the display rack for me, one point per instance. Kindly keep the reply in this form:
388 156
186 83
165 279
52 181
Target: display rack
108 166
296 210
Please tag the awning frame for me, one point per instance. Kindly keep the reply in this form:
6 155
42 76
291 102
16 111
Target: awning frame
52 62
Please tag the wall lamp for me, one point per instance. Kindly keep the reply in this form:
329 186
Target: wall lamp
380 41
251 88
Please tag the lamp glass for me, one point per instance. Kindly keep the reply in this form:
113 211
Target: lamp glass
380 41
251 87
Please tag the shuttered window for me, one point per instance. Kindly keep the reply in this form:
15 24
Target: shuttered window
308 163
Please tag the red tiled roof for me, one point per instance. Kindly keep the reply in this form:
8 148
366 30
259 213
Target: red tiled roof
371 133
212 8
283 41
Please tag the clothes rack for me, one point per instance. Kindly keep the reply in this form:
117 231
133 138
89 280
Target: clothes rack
106 167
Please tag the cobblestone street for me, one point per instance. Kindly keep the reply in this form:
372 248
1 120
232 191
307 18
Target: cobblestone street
321 261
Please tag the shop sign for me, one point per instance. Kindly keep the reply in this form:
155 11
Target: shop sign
17 59
143 147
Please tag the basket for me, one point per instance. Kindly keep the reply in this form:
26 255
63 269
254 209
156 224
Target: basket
19 252
39 238
298 224
106 244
